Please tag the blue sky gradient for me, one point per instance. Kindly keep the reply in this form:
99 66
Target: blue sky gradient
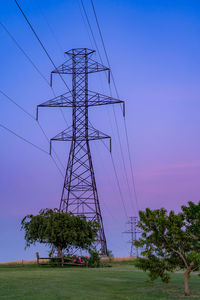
153 47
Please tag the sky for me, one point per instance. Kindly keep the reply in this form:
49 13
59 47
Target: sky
153 48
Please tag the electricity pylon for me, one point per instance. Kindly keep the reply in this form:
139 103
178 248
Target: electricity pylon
79 194
133 231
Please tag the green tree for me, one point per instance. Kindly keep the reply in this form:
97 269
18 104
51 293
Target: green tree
61 230
170 241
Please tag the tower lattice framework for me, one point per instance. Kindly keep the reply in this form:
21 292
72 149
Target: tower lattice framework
79 194
133 232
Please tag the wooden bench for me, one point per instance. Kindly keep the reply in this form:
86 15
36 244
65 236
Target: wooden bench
47 261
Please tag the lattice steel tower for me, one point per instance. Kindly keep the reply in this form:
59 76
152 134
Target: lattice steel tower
133 231
79 194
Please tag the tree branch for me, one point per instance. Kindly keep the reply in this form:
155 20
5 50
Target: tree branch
181 256
178 252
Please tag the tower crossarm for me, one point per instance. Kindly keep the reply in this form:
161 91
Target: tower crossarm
68 68
75 64
67 135
94 99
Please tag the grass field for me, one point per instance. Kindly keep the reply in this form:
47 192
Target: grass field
121 281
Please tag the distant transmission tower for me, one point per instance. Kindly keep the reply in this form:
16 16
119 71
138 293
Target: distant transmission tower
133 231
79 194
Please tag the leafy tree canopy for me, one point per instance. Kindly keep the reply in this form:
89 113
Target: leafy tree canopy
170 241
62 230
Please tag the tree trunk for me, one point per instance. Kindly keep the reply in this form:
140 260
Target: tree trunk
186 283
59 251
62 259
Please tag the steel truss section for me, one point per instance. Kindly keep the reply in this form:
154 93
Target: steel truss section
133 231
79 194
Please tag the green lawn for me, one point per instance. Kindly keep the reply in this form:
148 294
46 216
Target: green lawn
122 281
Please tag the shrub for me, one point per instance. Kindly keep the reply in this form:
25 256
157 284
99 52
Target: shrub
94 260
80 259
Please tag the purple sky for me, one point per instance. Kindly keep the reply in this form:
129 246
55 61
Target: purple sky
153 46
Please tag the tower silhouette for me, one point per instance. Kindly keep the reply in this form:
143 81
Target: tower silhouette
133 231
79 193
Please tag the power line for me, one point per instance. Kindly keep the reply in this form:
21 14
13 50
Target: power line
23 139
32 63
119 188
56 155
53 159
131 165
50 27
117 179
32 144
127 140
123 160
21 49
19 106
41 44
40 73
104 47
118 135
82 16
100 34
115 171
91 30
92 33
33 118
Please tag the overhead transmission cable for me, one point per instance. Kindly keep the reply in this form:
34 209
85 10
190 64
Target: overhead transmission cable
40 73
90 27
99 153
85 24
118 134
23 139
93 45
51 30
115 171
30 143
21 49
31 61
112 76
118 182
44 49
41 44
104 47
32 117
19 106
